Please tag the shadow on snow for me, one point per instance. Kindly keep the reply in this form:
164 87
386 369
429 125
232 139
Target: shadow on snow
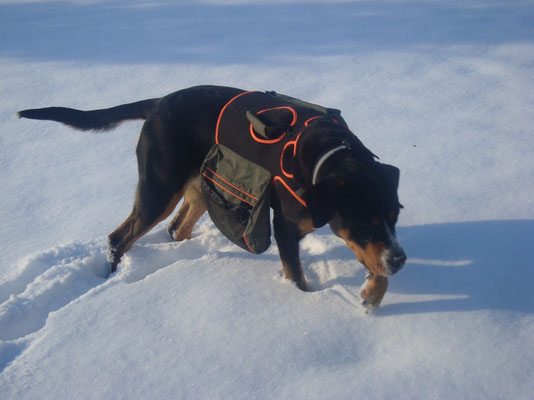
472 266
119 32
482 265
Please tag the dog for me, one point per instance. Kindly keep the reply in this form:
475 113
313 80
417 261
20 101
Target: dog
325 174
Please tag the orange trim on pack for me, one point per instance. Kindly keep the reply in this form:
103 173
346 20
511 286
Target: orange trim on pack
278 178
312 118
272 141
229 184
320 116
291 109
296 142
246 242
222 112
226 190
265 141
286 174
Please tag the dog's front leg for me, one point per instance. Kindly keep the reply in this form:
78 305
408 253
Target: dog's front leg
373 290
287 238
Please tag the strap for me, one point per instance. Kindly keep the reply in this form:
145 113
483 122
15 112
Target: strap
322 160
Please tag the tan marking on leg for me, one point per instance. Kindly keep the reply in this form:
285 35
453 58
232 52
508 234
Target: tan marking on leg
370 256
306 226
192 209
295 276
373 290
131 230
376 286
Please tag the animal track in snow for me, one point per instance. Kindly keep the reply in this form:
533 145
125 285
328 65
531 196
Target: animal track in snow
327 262
46 282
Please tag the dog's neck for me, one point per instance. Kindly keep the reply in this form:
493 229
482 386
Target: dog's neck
313 145
320 148
324 158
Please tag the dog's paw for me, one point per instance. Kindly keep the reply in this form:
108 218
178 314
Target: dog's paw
111 259
171 233
179 234
368 305
373 291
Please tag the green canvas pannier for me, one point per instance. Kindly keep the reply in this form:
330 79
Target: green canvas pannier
237 195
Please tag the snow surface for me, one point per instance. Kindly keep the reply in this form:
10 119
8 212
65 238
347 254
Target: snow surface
444 90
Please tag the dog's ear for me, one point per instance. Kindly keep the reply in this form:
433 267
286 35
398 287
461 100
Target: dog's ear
392 173
321 202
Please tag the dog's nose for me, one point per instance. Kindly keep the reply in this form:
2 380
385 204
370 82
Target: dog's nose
397 261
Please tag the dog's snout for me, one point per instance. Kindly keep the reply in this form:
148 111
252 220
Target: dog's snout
396 261
399 260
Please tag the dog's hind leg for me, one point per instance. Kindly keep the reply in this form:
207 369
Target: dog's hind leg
149 209
192 208
163 172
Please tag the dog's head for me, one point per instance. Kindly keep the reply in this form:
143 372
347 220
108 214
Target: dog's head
360 202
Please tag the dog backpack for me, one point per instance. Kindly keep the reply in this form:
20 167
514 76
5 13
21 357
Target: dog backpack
237 195
256 136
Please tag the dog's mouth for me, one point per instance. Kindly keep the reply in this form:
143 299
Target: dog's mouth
393 261
378 258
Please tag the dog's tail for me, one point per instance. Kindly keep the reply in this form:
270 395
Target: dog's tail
96 120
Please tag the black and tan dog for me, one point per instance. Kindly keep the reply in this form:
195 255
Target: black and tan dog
322 173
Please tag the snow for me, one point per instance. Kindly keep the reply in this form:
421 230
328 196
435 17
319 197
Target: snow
443 90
